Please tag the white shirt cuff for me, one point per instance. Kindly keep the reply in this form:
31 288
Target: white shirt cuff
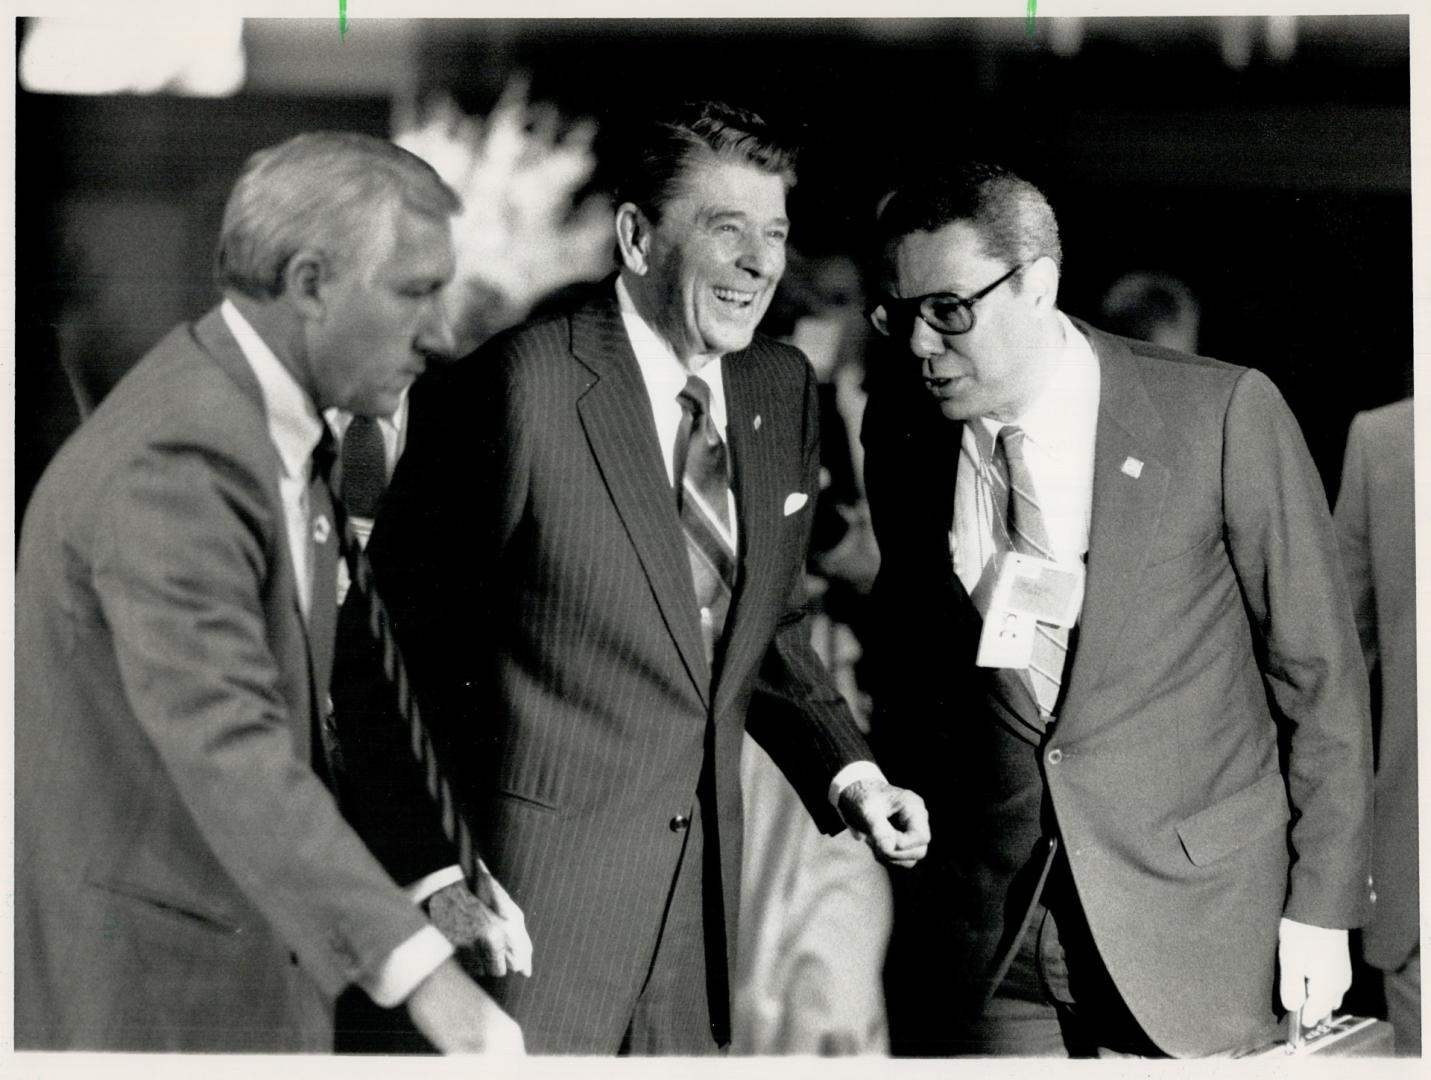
424 887
407 966
855 770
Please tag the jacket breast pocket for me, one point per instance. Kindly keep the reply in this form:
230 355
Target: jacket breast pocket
1220 829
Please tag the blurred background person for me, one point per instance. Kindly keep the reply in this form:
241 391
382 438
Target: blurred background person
1153 307
815 912
1376 520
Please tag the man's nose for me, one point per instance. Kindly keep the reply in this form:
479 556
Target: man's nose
924 340
435 336
762 257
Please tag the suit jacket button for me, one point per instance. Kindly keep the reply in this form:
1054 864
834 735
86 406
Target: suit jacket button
680 823
1055 756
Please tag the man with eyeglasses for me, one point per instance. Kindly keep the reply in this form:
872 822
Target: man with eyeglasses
1109 593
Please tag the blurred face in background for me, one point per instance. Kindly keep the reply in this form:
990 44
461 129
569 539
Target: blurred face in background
704 274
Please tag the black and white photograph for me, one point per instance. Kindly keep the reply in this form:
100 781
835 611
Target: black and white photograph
737 535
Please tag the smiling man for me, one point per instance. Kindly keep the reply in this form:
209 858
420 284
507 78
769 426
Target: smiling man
593 548
1109 589
183 879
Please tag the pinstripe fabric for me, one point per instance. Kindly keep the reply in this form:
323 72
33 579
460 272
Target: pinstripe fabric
533 559
394 670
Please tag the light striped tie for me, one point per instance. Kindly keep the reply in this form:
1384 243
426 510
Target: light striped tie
703 498
379 626
1024 531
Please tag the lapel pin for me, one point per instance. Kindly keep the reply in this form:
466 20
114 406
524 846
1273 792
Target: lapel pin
1133 467
757 421
321 528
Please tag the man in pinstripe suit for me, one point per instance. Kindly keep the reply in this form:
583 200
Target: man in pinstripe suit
538 558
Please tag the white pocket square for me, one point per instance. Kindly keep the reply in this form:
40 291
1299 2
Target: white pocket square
794 501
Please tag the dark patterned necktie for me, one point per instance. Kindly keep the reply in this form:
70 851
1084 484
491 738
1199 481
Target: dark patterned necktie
1024 531
322 540
703 498
379 626
363 473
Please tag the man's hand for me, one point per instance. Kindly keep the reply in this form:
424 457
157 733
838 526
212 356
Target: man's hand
1316 969
458 1017
489 928
893 821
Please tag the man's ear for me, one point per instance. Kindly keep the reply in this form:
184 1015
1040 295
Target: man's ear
1041 283
304 278
633 237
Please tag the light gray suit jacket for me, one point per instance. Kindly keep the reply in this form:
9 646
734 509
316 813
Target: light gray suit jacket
183 880
1376 519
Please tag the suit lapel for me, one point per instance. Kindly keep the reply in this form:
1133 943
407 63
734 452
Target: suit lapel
758 498
213 335
615 412
1129 486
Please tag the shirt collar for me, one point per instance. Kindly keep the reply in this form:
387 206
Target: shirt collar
664 375
1065 412
293 421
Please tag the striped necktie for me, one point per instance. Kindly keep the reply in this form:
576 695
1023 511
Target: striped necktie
1024 531
379 626
703 498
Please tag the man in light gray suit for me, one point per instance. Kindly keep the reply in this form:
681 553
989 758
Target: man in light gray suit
183 880
1376 520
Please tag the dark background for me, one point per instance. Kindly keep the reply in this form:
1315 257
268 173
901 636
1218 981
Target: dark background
1277 187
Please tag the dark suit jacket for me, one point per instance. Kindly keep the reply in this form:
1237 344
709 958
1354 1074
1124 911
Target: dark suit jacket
1215 615
531 553
1376 518
183 880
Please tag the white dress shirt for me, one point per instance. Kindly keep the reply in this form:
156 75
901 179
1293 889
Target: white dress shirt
1060 427
294 426
665 377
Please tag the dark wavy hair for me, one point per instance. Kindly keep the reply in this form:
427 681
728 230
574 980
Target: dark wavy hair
1011 215
666 148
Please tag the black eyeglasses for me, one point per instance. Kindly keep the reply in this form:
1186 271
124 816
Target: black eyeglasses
945 312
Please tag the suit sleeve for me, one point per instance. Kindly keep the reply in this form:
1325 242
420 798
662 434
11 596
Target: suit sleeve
1352 520
183 568
796 713
444 521
1285 554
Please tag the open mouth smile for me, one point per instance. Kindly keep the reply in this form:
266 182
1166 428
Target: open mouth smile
734 297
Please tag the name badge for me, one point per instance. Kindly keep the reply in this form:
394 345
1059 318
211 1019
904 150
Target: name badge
1024 591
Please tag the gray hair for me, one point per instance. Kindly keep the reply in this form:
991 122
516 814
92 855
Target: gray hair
326 190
